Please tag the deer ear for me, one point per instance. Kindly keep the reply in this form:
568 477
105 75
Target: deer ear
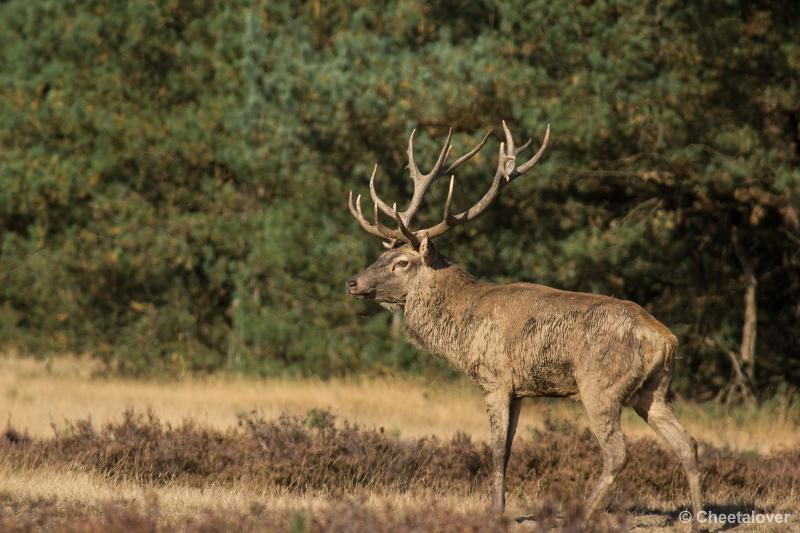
427 250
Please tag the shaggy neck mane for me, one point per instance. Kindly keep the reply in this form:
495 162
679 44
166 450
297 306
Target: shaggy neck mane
437 309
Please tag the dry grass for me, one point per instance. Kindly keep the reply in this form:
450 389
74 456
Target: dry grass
36 394
72 487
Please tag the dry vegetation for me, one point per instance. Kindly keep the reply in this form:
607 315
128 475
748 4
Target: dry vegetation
35 395
215 455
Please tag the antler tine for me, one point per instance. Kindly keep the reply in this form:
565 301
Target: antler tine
408 234
374 195
458 162
413 169
355 210
444 153
535 159
524 147
509 140
378 224
447 202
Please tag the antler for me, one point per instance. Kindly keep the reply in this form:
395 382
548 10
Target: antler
507 171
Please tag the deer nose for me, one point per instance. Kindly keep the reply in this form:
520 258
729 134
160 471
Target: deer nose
351 284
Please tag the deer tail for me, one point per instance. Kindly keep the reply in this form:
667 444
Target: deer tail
669 352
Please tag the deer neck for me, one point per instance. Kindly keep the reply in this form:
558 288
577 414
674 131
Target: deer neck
435 311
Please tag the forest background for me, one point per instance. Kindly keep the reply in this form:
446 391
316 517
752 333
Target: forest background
174 175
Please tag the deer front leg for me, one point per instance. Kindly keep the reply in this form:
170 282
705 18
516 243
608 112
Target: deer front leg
498 406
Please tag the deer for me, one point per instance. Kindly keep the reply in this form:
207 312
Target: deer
522 339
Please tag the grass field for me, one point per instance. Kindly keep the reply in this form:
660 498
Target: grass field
215 452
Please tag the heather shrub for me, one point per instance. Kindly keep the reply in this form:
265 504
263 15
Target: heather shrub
288 453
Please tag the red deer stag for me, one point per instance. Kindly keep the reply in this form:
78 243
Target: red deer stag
523 340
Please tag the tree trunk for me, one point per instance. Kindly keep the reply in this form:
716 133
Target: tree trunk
747 349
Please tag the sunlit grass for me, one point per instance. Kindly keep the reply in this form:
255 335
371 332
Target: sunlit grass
35 395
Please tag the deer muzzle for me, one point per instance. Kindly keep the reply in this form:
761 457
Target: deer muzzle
359 290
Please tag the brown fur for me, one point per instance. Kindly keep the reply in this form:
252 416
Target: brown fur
527 340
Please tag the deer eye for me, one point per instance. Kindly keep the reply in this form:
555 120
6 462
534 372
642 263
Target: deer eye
401 264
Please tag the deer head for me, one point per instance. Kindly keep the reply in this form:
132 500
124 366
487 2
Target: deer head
411 251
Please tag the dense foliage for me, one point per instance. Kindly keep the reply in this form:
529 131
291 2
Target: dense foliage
174 174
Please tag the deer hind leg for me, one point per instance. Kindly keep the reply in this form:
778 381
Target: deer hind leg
654 407
604 422
513 418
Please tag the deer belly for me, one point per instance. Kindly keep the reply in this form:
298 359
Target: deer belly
556 379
